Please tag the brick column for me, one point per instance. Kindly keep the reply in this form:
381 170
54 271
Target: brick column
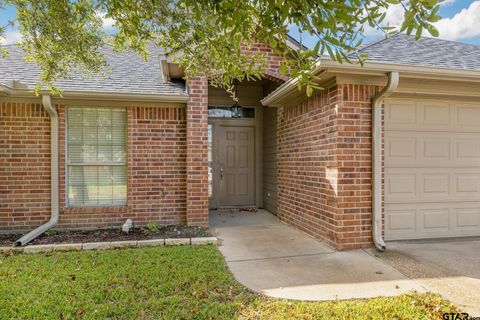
197 152
354 149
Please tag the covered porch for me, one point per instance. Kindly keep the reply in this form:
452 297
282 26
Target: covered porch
242 148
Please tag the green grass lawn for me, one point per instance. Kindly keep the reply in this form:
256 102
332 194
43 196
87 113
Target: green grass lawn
167 283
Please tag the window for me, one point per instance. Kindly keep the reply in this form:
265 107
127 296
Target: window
229 112
96 157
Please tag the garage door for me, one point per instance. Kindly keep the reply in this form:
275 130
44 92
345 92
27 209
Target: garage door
432 169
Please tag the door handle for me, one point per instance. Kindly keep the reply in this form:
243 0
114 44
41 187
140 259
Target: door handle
221 174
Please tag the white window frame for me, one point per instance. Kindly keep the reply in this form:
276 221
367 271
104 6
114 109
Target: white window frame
96 164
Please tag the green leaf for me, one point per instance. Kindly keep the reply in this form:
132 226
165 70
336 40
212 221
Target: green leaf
316 48
434 18
419 33
309 90
432 30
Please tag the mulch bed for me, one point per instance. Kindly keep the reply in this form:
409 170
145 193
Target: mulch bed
102 235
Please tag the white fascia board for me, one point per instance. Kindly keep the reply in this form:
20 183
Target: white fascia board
372 68
111 96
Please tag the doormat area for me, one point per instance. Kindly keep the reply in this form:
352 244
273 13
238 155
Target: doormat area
234 209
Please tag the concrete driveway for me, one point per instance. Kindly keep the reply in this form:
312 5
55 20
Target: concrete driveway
448 267
270 257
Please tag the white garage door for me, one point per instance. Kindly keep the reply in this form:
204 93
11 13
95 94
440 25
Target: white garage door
432 169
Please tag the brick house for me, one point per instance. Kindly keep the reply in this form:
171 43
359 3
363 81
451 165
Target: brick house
388 150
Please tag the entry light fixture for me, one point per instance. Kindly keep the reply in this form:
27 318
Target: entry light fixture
236 109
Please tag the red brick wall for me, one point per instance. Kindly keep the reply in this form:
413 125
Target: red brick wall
156 170
24 166
156 150
354 156
272 60
197 152
157 164
306 149
324 165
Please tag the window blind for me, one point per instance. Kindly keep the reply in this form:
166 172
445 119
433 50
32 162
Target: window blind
96 156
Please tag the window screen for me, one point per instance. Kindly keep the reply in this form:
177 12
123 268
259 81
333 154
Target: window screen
96 156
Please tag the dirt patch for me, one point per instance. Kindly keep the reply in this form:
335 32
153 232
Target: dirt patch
101 235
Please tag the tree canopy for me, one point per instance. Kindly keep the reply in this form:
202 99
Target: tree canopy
64 36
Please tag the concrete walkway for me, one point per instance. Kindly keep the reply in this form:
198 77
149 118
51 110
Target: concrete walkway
270 257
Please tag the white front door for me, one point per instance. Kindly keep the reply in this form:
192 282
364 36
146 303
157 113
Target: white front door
235 172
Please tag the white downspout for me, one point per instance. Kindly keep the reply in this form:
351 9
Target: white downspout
392 84
47 104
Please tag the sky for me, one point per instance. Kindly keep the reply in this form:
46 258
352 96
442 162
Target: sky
461 22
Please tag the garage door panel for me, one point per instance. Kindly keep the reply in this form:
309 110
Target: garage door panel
466 184
467 218
431 115
431 220
401 114
434 185
400 221
427 149
418 149
401 186
435 220
435 148
466 148
400 148
406 185
416 185
434 114
408 115
432 169
466 117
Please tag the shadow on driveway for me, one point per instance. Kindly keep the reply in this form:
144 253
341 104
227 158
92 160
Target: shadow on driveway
448 267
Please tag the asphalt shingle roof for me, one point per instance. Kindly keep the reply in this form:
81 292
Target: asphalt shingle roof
128 73
427 52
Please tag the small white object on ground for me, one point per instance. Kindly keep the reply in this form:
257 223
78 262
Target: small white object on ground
127 226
